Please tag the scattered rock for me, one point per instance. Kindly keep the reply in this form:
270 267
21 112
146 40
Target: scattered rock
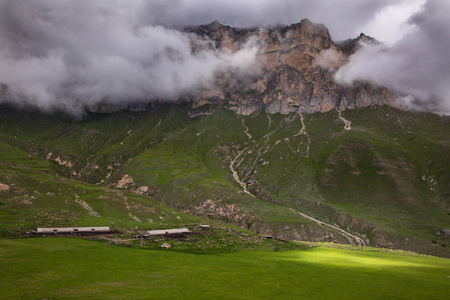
125 182
4 187
263 162
142 190
64 162
166 245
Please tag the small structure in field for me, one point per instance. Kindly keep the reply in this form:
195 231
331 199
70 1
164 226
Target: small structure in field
72 230
167 231
204 226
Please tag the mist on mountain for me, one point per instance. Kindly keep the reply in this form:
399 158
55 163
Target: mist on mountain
68 55
416 67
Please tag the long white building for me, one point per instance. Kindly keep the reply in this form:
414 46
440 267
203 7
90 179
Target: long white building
167 231
73 229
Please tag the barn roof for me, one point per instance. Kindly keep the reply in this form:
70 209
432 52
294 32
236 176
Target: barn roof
167 231
72 229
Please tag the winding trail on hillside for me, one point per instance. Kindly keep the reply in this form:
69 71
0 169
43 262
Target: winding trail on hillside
236 176
256 114
134 218
86 207
232 169
270 120
303 132
347 123
349 236
247 130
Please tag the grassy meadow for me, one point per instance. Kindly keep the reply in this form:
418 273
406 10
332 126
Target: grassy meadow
64 268
385 180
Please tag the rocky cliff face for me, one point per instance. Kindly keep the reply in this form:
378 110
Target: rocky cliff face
296 71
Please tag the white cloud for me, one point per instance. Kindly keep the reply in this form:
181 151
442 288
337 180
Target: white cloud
66 54
390 24
330 59
416 67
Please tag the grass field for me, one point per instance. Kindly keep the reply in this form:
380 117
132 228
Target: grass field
64 268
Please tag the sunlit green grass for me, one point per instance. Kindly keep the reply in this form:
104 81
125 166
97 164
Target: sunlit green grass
73 268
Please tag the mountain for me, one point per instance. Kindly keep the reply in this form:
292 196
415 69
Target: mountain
285 152
289 78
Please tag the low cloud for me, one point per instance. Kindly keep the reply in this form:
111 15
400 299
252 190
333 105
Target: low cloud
330 59
66 55
69 54
417 67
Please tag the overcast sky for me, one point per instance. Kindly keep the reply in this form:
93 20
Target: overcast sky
384 19
66 54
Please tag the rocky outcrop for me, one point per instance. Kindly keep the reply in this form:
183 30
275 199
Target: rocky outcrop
4 187
125 182
296 71
219 211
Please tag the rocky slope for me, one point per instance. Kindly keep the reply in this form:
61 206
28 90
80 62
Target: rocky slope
296 71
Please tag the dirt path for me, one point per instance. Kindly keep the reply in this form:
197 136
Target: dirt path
246 129
134 218
349 236
303 131
257 113
86 206
201 131
233 161
236 176
270 120
347 123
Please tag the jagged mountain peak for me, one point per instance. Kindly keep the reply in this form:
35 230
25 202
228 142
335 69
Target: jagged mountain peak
290 77
308 25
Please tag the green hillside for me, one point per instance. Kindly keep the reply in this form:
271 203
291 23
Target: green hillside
384 182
